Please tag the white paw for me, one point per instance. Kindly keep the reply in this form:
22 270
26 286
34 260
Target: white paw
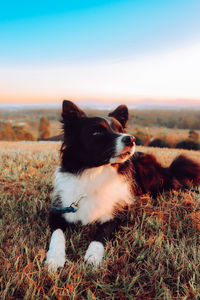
56 254
54 261
94 253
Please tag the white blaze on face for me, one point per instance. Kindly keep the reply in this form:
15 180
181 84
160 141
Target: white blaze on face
122 152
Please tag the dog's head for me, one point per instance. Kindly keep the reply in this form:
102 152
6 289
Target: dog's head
94 141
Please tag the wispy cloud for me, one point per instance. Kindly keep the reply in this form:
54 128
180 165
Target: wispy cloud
169 75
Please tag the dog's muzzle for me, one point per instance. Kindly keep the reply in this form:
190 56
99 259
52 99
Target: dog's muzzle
125 147
128 140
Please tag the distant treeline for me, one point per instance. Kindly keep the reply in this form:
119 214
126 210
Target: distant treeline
13 132
180 119
169 119
29 114
9 132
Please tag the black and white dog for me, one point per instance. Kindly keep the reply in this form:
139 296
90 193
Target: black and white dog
100 175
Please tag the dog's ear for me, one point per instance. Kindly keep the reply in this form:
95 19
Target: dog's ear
70 111
121 114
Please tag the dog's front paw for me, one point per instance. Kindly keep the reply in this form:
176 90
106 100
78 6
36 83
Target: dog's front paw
56 254
54 261
94 253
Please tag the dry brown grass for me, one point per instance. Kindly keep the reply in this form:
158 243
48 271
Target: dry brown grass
32 147
155 255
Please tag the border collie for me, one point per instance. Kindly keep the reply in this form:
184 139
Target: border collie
100 175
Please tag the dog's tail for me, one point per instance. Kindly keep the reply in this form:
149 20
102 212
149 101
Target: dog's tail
185 171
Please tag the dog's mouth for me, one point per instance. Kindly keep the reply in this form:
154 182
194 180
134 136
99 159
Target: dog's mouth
123 154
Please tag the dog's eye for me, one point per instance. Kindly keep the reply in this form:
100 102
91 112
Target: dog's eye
98 131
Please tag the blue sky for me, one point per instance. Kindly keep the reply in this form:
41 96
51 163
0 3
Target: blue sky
55 34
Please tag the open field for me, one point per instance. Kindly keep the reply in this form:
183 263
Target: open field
172 126
155 255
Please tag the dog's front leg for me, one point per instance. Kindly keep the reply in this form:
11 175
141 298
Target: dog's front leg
56 254
95 251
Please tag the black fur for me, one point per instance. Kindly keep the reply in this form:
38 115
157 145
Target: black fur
57 222
90 142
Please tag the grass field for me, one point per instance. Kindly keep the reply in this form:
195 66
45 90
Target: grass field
155 255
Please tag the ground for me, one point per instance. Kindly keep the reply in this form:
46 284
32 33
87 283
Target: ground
155 255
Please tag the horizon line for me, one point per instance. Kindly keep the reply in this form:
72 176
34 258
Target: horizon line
102 104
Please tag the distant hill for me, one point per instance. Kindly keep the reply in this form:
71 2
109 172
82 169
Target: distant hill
102 105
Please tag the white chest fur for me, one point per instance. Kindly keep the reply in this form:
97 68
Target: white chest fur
103 189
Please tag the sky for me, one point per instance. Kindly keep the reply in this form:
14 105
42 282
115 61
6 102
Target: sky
100 50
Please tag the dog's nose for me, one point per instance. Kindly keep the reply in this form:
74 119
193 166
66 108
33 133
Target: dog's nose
128 140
